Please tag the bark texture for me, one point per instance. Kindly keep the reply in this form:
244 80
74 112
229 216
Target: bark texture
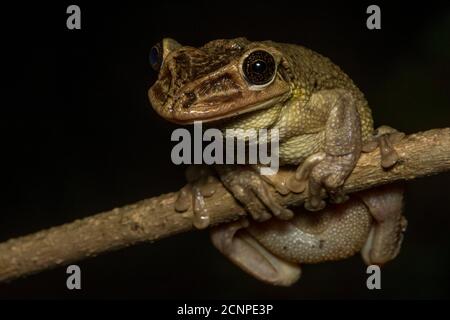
421 154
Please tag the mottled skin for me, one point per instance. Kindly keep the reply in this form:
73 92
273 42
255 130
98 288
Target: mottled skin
324 123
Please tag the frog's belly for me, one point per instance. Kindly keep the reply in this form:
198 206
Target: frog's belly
335 233
296 149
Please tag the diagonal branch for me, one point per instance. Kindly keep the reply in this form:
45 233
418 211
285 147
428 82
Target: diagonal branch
421 154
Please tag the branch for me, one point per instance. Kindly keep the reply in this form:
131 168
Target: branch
421 154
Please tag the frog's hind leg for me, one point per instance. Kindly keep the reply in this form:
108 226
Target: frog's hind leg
241 248
385 238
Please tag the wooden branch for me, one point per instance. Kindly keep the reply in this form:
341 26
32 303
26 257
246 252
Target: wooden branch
421 154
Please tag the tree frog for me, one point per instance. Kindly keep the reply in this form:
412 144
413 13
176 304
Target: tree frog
324 123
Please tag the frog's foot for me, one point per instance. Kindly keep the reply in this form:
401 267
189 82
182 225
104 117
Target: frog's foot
200 186
241 248
253 192
384 139
281 180
321 174
385 238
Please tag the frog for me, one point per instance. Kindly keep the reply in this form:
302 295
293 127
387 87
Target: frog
323 123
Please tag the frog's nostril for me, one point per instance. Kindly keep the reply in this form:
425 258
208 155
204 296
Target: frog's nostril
189 99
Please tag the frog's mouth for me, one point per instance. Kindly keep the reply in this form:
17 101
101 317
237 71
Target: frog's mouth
188 107
219 112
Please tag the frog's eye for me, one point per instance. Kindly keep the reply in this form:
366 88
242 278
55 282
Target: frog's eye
259 67
156 56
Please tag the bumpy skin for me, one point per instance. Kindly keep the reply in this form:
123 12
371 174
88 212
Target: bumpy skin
338 232
314 105
324 123
370 223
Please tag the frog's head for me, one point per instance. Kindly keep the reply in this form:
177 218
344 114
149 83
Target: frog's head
222 79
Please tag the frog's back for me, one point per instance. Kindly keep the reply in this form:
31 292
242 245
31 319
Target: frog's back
313 72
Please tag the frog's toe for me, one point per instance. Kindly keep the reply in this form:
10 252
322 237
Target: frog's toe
252 203
295 185
184 199
385 137
389 159
200 186
396 136
298 182
201 214
254 193
282 180
314 203
260 189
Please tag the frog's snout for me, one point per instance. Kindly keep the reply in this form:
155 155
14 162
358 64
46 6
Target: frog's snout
187 99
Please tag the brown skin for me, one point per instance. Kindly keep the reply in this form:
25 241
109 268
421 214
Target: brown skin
324 123
207 84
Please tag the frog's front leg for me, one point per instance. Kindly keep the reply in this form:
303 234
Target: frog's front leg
246 184
252 190
328 169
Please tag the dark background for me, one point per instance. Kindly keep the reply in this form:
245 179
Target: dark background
79 136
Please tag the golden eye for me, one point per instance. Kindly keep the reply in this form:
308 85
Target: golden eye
156 56
259 67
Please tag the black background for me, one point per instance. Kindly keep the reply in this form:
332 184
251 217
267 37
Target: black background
79 136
